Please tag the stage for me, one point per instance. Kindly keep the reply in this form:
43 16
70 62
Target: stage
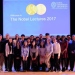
37 73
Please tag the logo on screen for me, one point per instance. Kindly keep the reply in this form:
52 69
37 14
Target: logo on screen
31 9
40 9
53 4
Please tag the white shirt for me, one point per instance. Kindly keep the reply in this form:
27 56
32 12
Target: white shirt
7 50
56 48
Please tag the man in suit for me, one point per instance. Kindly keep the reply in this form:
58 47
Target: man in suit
1 53
71 52
4 43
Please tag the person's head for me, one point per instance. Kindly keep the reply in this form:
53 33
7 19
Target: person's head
51 37
42 43
58 37
40 36
28 40
25 43
22 36
47 35
63 38
7 36
33 43
31 37
73 37
68 37
18 43
17 36
48 41
14 42
10 40
54 39
0 37
37 38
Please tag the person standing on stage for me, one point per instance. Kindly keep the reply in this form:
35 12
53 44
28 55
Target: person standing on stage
56 54
9 54
6 40
25 54
64 53
69 40
49 51
17 56
1 53
71 51
42 52
34 56
28 62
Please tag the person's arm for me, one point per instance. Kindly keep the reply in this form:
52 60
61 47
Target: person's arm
14 42
36 52
59 49
39 52
14 51
6 49
69 48
51 49
22 52
66 44
31 52
28 52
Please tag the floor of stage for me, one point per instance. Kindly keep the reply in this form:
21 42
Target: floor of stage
37 73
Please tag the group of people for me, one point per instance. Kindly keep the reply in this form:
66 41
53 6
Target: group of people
49 53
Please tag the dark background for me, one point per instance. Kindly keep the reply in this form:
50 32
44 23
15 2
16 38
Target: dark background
72 17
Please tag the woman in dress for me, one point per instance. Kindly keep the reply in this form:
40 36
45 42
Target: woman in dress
42 52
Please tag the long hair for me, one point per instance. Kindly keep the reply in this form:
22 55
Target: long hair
35 46
24 44
19 44
10 45
43 44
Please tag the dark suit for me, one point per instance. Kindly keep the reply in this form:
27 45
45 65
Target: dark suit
71 52
4 43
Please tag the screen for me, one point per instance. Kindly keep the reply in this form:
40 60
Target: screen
34 17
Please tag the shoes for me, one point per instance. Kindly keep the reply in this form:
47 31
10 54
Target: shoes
55 70
9 70
70 70
51 70
6 69
63 69
17 70
24 70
